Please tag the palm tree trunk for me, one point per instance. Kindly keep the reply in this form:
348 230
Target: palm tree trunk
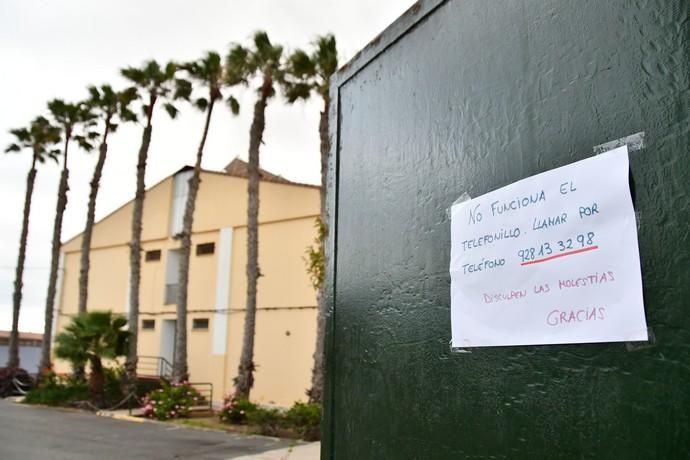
315 393
245 372
180 370
97 383
90 218
54 261
135 252
13 351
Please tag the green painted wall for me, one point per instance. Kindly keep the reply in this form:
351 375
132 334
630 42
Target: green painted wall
468 96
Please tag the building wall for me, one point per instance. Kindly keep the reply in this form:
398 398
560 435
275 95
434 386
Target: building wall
115 229
286 317
286 322
29 357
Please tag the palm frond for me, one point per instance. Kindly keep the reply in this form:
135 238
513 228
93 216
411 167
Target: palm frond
234 105
212 63
295 91
13 148
92 335
326 55
109 95
134 75
300 65
85 141
129 95
237 66
152 70
53 155
127 115
183 89
207 72
170 109
267 53
170 69
94 94
22 134
201 103
39 137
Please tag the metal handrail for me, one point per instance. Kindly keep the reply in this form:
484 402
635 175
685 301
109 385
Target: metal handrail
160 366
21 387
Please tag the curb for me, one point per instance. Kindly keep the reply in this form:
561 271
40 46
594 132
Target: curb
129 418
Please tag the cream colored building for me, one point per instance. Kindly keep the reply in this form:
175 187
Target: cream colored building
286 316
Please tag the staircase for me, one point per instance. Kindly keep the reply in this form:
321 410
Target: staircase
157 368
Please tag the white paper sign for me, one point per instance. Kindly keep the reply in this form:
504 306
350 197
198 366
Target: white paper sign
549 259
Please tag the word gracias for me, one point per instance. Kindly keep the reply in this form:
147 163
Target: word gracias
570 316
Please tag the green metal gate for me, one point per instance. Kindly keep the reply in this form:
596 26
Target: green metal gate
469 96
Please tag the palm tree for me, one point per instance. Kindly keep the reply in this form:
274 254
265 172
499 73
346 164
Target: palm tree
263 60
312 73
208 73
40 138
73 119
90 338
155 84
110 107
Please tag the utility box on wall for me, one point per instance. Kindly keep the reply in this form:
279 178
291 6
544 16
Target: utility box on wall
467 96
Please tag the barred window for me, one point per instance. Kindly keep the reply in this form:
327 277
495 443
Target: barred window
153 256
200 323
204 249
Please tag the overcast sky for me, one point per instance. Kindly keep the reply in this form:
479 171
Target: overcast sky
54 49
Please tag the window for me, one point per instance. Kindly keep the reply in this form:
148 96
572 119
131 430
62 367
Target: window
153 256
172 274
204 249
179 200
148 324
200 323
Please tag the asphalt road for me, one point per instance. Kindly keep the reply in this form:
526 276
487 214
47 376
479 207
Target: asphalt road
29 432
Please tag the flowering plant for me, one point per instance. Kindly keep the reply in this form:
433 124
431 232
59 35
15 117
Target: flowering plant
171 401
235 410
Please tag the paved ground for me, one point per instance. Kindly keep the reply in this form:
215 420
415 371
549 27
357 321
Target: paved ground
311 451
29 432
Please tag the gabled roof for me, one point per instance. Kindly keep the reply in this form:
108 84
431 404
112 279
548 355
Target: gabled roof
239 168
22 335
236 168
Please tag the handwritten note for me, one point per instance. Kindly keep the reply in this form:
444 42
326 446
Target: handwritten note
550 259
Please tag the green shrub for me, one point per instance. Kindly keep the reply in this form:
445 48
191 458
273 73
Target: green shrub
146 386
268 420
302 419
171 401
235 410
306 419
54 391
113 391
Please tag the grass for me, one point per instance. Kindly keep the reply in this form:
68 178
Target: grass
212 423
